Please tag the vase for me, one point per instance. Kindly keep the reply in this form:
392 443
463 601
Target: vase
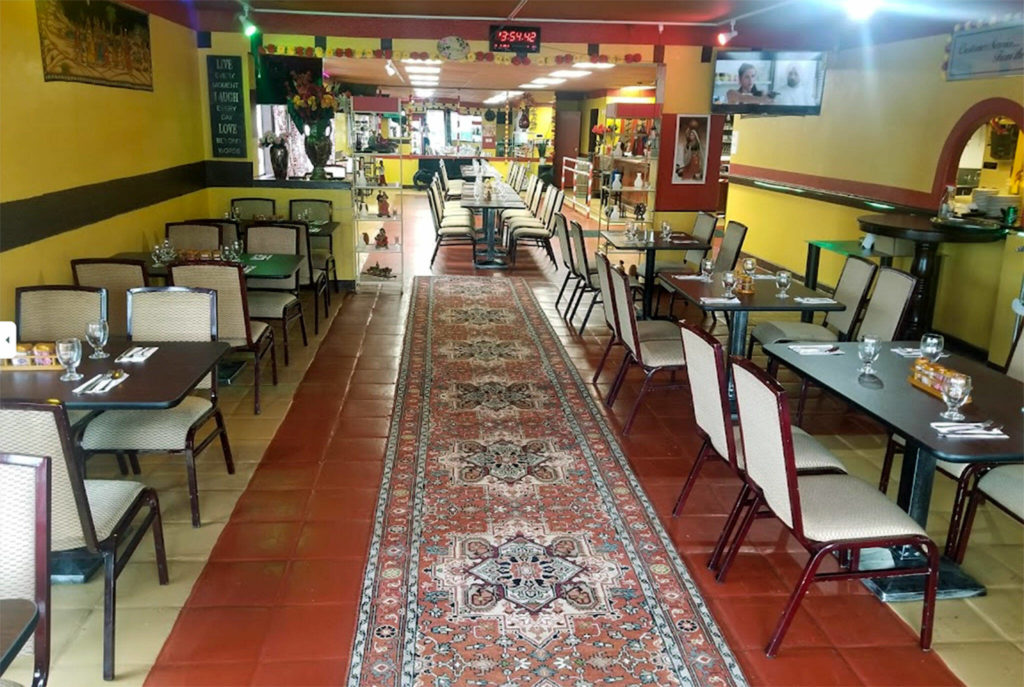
318 150
279 161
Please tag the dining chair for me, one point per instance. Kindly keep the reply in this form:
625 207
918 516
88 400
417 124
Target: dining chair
566 250
253 208
449 231
233 323
708 383
313 277
193 235
48 313
97 515
116 276
703 230
321 258
851 291
452 188
25 551
732 244
1001 485
229 228
647 330
172 313
277 299
447 208
537 233
653 356
533 199
827 514
587 276
317 209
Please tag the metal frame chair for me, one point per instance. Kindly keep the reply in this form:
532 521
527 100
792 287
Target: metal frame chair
116 276
193 235
1003 486
51 312
248 208
278 299
321 258
450 231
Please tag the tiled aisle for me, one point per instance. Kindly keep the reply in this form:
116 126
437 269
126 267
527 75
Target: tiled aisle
275 605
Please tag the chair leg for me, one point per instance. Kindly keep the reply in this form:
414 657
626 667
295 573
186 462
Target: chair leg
742 500
561 291
617 384
109 612
225 445
284 334
158 536
773 367
794 601
750 348
193 485
691 478
257 363
930 591
551 253
437 246
890 454
604 359
122 464
802 402
133 460
316 310
273 359
741 535
302 326
636 405
572 297
956 552
593 302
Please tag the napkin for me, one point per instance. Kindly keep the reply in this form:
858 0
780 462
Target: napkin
764 276
259 256
687 276
813 300
968 430
107 385
815 349
136 354
82 387
716 300
908 352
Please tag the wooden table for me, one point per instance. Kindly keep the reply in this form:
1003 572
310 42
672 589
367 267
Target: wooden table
617 239
889 398
503 197
278 266
18 618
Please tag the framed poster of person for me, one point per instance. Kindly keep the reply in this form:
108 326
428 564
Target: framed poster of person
689 166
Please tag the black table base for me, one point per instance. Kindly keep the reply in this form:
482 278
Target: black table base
74 567
954 583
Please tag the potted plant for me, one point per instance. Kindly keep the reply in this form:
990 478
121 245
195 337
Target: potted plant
278 153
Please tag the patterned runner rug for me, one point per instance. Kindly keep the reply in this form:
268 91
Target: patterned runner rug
512 543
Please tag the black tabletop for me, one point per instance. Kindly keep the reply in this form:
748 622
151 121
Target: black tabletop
17 622
764 297
931 229
162 381
323 229
889 398
276 266
678 242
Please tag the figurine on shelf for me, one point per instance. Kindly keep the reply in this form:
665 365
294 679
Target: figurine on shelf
366 238
381 239
376 270
651 148
381 179
360 178
639 181
383 207
616 181
362 208
640 210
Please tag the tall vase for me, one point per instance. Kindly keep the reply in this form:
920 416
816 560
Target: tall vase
279 161
318 148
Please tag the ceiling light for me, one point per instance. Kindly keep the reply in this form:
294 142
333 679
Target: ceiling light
569 73
532 85
389 67
412 61
424 78
417 69
593 65
423 92
545 81
502 97
248 28
726 36
861 10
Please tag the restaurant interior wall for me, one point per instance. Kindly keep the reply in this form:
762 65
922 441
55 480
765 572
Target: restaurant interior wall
61 135
887 112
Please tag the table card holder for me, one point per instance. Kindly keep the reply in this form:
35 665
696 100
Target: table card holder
33 358
928 377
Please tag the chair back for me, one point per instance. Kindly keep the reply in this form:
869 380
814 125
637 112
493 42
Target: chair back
48 313
705 367
116 276
732 244
703 230
625 316
42 429
444 177
435 212
888 305
278 237
228 280
767 440
25 543
604 281
851 291
251 208
173 313
556 207
1015 365
229 231
319 210
564 245
193 235
580 261
542 196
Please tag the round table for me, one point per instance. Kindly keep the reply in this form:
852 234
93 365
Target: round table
927 233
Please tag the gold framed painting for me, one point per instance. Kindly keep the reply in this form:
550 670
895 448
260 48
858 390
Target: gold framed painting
98 42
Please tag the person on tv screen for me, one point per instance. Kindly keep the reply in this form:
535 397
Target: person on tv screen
748 92
794 91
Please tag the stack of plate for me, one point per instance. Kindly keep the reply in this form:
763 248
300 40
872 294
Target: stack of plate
981 197
996 204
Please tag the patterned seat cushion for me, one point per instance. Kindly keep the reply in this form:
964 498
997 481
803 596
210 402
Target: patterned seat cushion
455 221
530 232
663 352
255 328
524 223
269 304
657 330
808 452
837 507
455 231
108 501
774 332
1005 484
145 430
76 416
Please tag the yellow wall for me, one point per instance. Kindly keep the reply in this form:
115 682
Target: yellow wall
886 115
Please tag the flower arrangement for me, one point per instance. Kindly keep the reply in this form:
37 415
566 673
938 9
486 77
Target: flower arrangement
599 130
311 104
269 139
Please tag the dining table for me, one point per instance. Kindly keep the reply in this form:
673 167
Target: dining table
502 197
18 618
888 397
255 265
650 247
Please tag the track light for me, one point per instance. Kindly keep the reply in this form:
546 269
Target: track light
389 67
861 10
726 36
248 28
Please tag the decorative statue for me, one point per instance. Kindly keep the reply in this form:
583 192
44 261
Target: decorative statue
383 208
380 173
366 238
381 239
640 209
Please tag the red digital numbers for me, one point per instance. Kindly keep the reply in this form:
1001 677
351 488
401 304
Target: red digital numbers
518 40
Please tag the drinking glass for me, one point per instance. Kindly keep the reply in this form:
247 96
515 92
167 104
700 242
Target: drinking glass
96 334
729 282
157 255
782 280
707 267
955 390
868 349
749 266
931 346
69 353
666 231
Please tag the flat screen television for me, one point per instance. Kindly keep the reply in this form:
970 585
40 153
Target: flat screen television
767 82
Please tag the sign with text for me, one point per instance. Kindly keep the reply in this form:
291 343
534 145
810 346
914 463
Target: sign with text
227 105
986 52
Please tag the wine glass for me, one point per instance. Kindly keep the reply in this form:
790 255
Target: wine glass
931 346
707 267
955 390
69 353
782 280
666 231
749 267
729 282
868 349
157 255
96 334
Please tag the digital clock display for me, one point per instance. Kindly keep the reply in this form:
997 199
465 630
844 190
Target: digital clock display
515 38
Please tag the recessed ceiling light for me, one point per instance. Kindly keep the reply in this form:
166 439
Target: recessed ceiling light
411 61
422 78
532 85
545 81
423 92
593 65
419 69
570 73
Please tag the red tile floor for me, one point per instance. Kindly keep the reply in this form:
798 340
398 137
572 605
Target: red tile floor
276 603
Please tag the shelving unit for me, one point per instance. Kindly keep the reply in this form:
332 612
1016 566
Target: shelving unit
377 267
628 196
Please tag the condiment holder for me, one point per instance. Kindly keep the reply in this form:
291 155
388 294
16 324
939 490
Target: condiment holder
928 377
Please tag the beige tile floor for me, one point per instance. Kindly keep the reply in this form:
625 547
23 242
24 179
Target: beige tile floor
982 640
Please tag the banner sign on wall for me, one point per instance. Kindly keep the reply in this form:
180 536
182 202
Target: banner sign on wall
227 105
986 52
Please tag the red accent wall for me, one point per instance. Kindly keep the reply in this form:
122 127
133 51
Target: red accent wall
688 197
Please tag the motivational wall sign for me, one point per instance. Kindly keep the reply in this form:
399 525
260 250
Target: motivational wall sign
227 105
987 52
